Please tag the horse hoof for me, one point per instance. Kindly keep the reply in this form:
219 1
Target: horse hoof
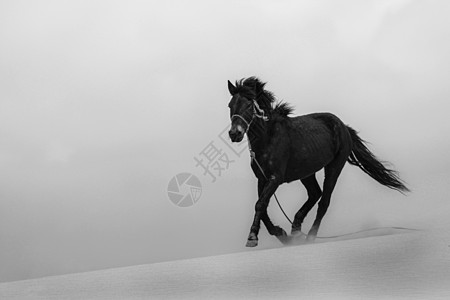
280 232
310 238
298 235
283 237
251 243
295 230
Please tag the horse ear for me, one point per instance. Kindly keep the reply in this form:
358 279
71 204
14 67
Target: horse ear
231 88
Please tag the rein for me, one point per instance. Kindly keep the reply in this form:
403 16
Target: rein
253 157
259 113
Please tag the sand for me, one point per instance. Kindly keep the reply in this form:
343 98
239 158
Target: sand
413 265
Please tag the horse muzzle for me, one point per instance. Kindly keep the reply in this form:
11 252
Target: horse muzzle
236 133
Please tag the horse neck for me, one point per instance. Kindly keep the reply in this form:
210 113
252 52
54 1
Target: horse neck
257 135
258 131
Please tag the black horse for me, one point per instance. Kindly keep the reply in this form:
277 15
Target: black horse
288 148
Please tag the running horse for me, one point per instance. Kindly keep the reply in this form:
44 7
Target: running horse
286 148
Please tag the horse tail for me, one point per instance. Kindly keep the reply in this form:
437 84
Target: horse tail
362 157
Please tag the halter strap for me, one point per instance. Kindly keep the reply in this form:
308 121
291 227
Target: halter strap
245 121
257 112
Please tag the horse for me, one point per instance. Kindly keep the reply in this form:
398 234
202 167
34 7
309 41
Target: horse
285 149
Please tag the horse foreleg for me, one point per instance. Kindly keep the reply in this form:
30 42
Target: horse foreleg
271 228
261 210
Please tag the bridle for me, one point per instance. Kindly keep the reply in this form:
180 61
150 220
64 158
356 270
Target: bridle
257 112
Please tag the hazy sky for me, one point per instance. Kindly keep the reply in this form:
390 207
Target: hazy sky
103 102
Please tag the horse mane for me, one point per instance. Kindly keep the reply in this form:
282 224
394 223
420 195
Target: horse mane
253 88
283 109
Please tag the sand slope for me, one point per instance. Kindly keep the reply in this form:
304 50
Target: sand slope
412 265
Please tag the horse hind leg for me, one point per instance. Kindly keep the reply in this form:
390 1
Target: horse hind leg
314 194
332 172
275 230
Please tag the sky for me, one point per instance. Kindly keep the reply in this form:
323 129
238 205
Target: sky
102 103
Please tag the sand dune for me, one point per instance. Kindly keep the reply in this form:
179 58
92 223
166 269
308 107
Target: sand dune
411 265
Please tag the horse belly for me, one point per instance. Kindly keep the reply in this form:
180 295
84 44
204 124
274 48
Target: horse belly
303 170
310 156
